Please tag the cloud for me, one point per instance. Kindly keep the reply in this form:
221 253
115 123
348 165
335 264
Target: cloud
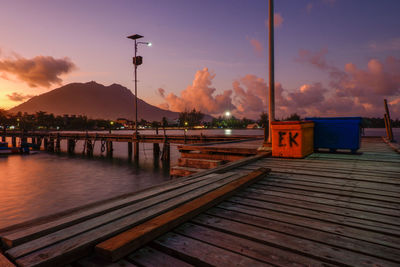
351 91
17 97
309 7
161 92
38 71
200 95
257 46
358 90
278 20
387 45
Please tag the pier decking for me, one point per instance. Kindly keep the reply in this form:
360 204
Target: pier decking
325 210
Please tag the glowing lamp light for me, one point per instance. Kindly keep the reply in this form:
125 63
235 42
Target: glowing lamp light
227 114
149 44
111 122
186 123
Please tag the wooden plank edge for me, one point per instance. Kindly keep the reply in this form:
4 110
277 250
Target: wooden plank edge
4 262
121 245
393 145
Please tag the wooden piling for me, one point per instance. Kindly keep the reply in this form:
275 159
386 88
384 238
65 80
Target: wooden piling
129 150
14 141
71 146
136 151
389 122
45 143
3 138
89 148
156 151
50 145
58 145
109 149
166 152
39 142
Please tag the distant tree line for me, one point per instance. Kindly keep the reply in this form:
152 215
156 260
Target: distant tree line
188 119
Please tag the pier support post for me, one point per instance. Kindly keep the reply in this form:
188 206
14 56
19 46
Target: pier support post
24 139
3 137
130 150
71 146
50 145
45 143
156 151
14 141
136 151
89 148
166 152
58 145
109 149
39 142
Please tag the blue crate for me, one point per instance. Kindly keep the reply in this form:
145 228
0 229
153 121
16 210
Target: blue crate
337 133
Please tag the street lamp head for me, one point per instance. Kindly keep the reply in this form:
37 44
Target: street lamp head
149 44
135 36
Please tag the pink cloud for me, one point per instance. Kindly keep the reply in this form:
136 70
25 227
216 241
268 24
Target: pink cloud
161 92
257 46
309 7
200 95
278 20
17 97
38 71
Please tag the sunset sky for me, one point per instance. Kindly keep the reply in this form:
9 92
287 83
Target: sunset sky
333 57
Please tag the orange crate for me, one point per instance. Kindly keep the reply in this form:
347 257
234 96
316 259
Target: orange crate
292 139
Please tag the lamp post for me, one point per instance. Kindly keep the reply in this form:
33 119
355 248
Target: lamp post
137 60
271 113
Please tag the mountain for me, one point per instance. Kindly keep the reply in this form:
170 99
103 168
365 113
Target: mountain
95 101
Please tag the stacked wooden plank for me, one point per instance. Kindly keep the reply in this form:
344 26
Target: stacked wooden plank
68 238
206 156
326 210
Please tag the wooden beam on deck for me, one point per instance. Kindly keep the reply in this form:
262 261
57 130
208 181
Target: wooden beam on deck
4 262
121 245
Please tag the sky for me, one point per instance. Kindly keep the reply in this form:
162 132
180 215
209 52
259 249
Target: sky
332 57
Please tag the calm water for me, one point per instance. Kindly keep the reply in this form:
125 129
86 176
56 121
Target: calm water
41 184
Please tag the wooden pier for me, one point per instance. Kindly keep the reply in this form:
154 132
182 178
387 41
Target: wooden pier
325 210
51 141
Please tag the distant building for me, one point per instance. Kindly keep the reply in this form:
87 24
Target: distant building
253 126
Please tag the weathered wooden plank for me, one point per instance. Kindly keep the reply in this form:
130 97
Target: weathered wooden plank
122 244
391 181
80 245
151 257
335 203
320 164
375 185
331 239
372 173
321 224
348 198
147 207
97 262
200 253
225 157
319 215
4 262
199 163
27 234
345 190
389 222
320 251
246 247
